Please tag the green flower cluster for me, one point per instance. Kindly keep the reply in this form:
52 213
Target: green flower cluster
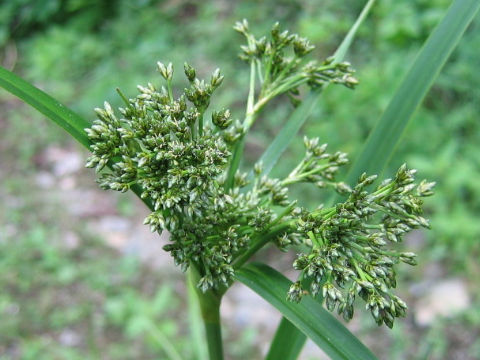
318 167
348 254
161 144
155 144
218 217
281 60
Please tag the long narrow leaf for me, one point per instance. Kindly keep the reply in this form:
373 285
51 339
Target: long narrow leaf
48 106
348 40
385 136
287 342
309 316
73 123
285 136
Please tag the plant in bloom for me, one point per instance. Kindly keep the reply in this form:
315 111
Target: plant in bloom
187 166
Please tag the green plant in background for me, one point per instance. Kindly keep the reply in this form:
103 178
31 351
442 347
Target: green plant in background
79 299
162 146
18 18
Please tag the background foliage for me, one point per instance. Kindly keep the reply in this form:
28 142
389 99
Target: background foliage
80 50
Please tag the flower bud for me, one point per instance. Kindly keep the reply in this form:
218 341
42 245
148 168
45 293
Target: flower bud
241 26
189 72
165 71
221 118
216 79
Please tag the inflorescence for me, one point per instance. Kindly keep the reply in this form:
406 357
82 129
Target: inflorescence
282 65
163 144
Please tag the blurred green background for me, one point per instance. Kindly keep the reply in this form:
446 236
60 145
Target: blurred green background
80 277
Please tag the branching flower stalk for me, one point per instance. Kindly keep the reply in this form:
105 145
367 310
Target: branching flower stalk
188 168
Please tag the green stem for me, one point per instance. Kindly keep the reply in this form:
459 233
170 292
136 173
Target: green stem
200 121
249 114
235 162
259 70
169 89
294 179
210 308
213 332
195 319
124 98
249 119
285 212
264 238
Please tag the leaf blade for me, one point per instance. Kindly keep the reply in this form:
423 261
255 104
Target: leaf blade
287 342
70 121
308 316
386 134
291 127
47 105
348 39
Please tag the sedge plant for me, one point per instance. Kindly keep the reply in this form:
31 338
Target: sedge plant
185 166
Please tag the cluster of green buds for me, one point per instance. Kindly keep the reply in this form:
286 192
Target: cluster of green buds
349 254
218 217
158 143
319 167
162 145
282 64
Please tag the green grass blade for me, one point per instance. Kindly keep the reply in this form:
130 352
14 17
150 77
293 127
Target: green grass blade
73 123
348 40
385 136
291 127
308 316
287 343
48 106
298 117
162 341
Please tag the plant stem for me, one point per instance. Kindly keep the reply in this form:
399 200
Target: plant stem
249 119
200 122
251 97
195 319
210 308
169 89
213 331
263 239
235 162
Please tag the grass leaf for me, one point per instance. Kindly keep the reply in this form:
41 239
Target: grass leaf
385 136
287 342
291 127
48 106
348 39
309 315
73 123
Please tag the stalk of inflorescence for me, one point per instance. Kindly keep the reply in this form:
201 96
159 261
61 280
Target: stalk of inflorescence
209 302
